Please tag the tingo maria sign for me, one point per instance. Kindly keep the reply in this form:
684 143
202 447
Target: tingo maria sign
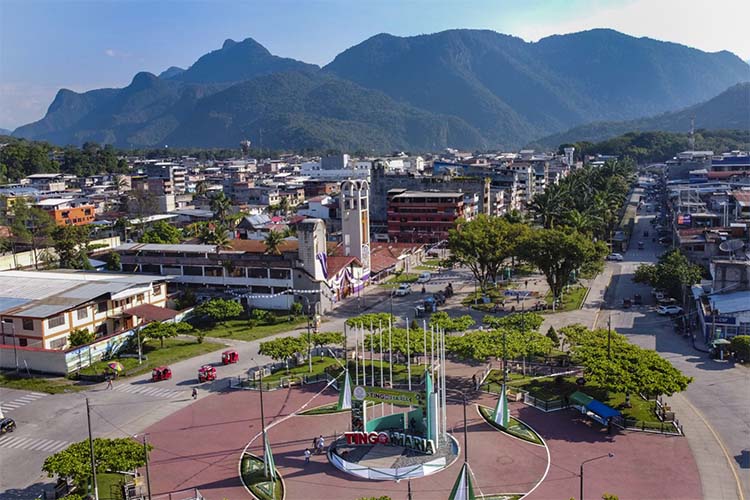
392 438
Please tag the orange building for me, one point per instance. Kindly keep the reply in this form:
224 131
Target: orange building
67 212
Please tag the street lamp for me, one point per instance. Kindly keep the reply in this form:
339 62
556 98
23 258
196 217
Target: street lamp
145 452
608 455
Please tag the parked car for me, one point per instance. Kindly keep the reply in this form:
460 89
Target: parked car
640 245
7 425
615 256
402 290
669 310
424 277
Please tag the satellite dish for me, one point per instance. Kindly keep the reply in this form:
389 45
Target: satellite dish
731 245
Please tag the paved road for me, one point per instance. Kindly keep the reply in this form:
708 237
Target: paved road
715 409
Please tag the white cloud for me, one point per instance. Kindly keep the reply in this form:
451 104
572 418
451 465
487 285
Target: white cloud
710 26
110 53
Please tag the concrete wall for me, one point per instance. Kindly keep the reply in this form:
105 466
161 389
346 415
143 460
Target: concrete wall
23 260
29 358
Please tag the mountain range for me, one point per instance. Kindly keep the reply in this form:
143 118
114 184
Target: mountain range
728 110
472 89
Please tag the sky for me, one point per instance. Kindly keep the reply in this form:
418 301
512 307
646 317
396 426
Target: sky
46 45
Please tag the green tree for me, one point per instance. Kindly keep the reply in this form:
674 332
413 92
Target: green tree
296 308
673 273
221 206
552 335
320 339
283 348
740 345
373 319
441 319
80 337
31 226
558 253
273 242
160 331
162 233
219 310
71 245
110 455
114 262
484 244
613 363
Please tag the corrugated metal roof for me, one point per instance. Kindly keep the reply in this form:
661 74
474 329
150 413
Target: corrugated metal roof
728 303
158 247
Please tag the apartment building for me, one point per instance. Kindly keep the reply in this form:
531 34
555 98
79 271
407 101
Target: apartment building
427 216
65 212
41 309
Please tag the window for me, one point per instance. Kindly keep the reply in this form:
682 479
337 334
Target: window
82 313
101 307
156 287
281 274
23 342
56 321
28 324
139 297
58 343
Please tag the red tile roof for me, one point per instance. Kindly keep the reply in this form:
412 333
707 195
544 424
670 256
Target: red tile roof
336 264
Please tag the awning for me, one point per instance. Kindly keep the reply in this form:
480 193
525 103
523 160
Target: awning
602 410
580 398
720 342
149 312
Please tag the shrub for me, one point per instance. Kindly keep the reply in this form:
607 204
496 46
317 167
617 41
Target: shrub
80 337
741 347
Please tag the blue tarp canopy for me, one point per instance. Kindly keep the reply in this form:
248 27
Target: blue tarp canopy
602 410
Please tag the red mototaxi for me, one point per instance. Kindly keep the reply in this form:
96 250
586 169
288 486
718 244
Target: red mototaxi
229 356
206 373
161 373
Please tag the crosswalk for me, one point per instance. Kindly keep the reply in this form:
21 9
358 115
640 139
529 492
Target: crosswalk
33 444
23 400
147 390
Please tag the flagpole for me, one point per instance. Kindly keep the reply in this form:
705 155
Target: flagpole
356 355
390 351
445 406
364 357
432 348
372 356
408 353
424 340
380 329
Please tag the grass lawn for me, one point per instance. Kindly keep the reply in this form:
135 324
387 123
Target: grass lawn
243 329
549 389
515 427
397 279
496 296
174 350
429 265
254 479
318 367
54 385
109 485
572 299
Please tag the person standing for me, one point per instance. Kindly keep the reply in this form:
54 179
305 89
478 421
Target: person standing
109 382
307 456
195 393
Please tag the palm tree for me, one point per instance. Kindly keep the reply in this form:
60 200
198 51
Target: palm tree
548 205
220 205
582 222
273 242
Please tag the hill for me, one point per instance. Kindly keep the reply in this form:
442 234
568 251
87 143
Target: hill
299 110
728 110
464 88
513 91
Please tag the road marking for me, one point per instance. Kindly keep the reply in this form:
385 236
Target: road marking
721 445
32 444
22 400
149 391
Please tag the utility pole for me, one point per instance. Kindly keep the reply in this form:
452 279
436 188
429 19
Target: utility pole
91 450
148 478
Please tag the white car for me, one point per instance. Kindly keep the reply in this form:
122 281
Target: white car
615 256
424 277
402 290
669 310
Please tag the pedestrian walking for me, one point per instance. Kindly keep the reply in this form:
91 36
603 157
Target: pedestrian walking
307 456
321 444
109 382
474 381
195 393
527 283
315 444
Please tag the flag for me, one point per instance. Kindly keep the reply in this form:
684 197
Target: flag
463 489
345 395
269 467
501 415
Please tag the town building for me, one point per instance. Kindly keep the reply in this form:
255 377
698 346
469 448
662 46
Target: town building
427 216
41 309
66 211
